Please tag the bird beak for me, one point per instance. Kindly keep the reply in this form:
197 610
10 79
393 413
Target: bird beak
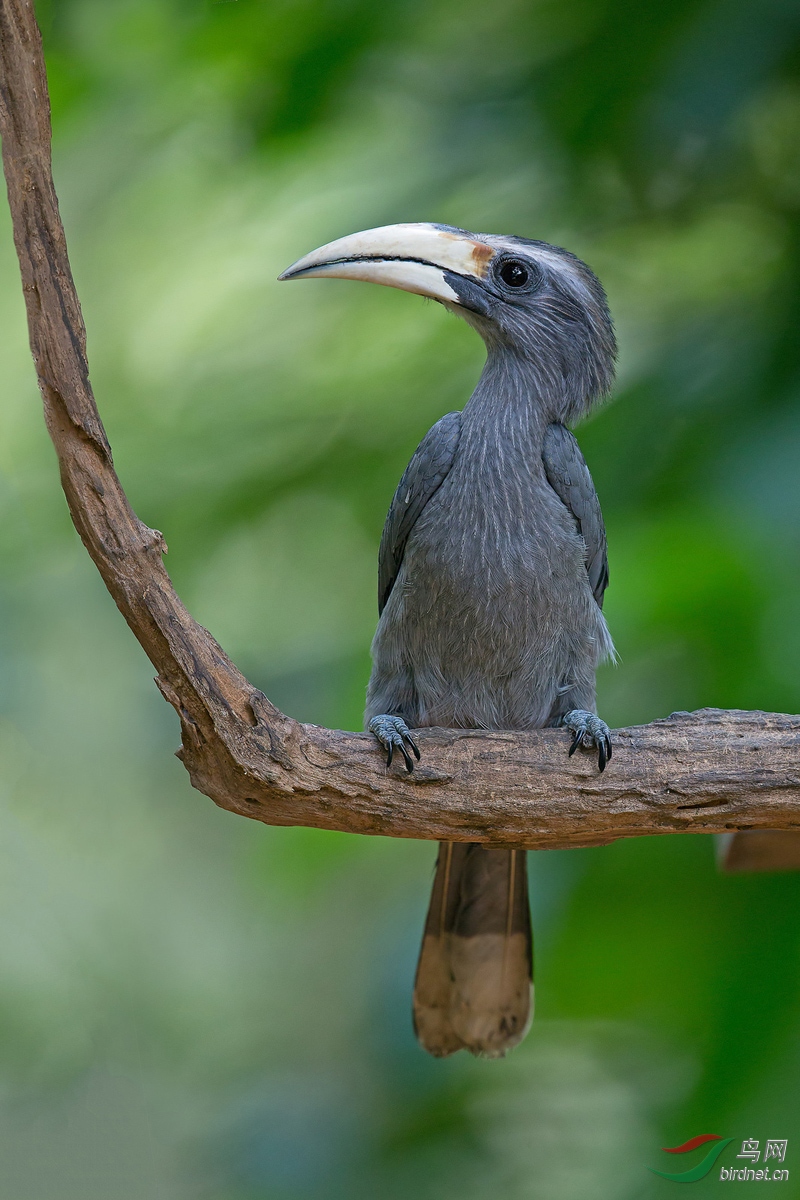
415 258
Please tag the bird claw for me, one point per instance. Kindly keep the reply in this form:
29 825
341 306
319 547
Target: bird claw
591 733
393 734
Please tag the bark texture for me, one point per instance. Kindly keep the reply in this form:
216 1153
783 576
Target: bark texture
707 772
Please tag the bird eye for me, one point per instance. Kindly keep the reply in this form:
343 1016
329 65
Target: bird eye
515 274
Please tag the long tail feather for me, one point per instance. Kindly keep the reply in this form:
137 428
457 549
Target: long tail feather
473 988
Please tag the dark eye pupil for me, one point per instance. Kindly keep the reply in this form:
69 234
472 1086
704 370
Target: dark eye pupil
515 274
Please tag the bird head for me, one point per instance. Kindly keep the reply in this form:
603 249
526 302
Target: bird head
533 303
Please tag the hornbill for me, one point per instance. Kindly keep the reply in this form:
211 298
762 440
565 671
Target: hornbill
492 569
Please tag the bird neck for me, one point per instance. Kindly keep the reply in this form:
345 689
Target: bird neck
515 398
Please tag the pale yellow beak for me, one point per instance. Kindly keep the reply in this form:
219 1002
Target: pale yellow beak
415 258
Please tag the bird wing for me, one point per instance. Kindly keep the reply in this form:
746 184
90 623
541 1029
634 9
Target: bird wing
569 478
423 476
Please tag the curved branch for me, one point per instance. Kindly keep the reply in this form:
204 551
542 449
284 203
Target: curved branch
711 772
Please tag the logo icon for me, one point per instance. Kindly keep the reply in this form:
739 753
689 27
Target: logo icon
775 1148
706 1162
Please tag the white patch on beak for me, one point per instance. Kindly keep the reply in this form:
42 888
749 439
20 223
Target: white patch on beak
411 257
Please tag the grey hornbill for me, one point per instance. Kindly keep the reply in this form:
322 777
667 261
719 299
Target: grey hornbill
492 570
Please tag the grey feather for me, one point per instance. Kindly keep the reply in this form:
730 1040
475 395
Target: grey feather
421 479
570 479
491 621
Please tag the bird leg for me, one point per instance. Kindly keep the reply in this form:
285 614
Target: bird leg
393 734
590 732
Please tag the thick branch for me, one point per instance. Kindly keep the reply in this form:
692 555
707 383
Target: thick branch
706 773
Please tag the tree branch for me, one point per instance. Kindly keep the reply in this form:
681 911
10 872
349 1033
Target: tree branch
709 772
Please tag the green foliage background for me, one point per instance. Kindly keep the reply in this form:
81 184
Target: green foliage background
197 1006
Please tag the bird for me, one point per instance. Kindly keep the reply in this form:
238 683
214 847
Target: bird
491 574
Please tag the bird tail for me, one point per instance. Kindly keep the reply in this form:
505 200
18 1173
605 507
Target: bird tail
474 984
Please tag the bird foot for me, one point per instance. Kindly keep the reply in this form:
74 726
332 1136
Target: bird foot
393 734
590 732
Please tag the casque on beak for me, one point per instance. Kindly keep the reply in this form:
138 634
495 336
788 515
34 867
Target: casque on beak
416 258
